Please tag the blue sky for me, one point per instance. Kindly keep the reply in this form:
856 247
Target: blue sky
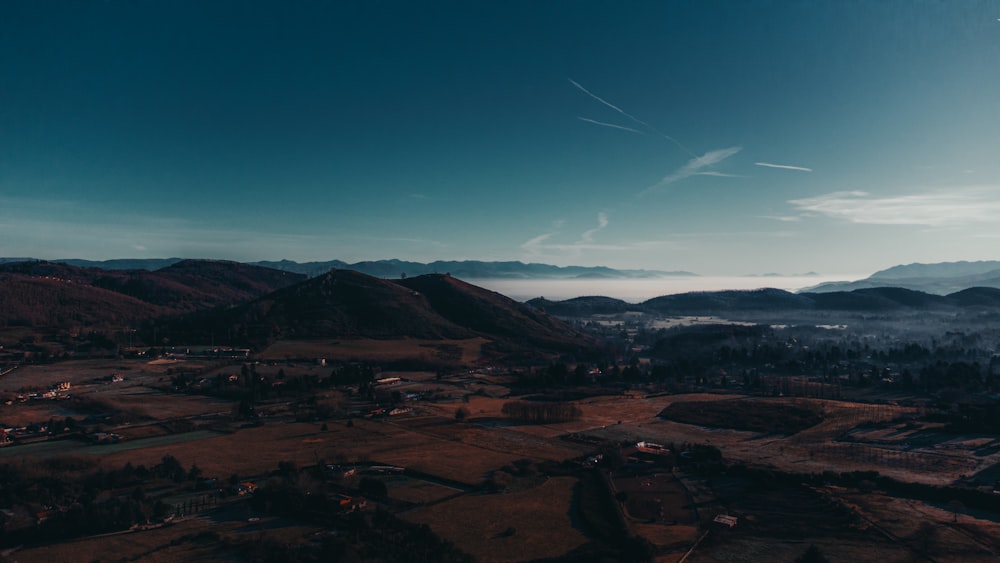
716 137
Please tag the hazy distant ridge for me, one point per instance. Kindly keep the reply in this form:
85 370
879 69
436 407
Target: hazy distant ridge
939 270
776 300
940 279
465 269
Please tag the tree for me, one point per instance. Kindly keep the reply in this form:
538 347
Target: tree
461 413
373 488
812 555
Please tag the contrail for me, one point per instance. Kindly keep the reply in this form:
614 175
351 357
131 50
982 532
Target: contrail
612 125
607 103
784 166
630 116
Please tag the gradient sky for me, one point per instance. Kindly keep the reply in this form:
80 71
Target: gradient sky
715 137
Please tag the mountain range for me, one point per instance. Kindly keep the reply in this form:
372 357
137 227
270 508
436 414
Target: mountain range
879 299
464 269
941 278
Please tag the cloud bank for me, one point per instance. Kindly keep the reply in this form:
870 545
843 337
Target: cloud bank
979 204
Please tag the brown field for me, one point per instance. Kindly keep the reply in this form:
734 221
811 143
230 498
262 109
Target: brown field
363 349
851 436
417 491
539 516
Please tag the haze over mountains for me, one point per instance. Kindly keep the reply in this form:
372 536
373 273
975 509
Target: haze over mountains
466 269
348 302
941 278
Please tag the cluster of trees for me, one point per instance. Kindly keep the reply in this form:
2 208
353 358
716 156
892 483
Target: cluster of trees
61 498
540 413
751 415
377 536
304 493
729 355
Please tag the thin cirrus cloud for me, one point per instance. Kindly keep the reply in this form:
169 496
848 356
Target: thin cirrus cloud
694 167
539 245
934 209
588 235
783 166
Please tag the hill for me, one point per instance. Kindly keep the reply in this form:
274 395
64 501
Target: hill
717 301
130 295
492 314
582 306
30 301
349 304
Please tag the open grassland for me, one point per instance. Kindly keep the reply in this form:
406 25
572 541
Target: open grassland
540 519
458 352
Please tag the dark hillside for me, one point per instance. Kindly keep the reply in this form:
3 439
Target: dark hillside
196 284
348 304
976 297
52 302
491 313
39 293
582 306
705 301
338 304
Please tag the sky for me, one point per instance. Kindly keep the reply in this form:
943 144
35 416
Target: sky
716 137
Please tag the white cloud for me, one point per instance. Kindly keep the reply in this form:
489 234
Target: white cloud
538 246
783 166
694 167
588 235
976 204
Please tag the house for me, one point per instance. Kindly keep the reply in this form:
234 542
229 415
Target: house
725 520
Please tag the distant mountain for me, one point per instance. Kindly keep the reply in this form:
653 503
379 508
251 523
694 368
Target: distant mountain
469 269
124 263
464 269
941 279
777 300
938 270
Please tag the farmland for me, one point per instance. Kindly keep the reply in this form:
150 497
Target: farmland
503 490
